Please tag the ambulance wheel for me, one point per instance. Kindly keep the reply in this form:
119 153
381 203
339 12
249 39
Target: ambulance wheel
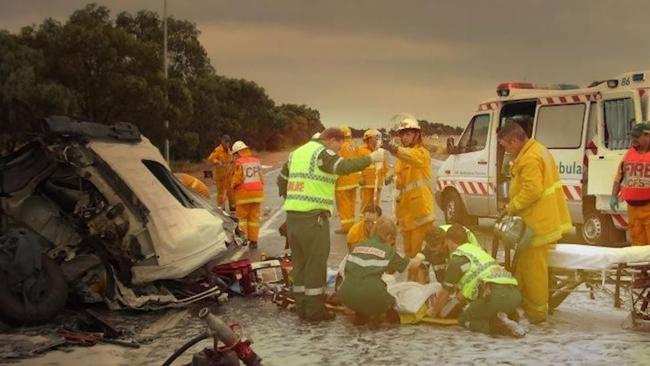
597 229
454 209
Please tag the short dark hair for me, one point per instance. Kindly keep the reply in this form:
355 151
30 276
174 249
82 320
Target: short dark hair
373 208
332 133
513 128
435 236
457 233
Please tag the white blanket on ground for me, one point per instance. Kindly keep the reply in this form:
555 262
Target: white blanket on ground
410 296
576 256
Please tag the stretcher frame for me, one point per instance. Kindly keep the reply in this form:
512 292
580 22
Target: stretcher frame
562 282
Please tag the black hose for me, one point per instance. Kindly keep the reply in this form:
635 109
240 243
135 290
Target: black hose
185 347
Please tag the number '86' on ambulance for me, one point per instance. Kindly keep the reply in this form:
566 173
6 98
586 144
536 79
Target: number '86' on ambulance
586 130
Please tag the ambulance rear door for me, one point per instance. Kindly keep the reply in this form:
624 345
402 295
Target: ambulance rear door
560 125
471 164
618 111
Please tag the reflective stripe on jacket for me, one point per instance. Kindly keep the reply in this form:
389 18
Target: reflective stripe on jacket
369 175
482 268
636 176
414 182
536 194
351 181
247 180
309 188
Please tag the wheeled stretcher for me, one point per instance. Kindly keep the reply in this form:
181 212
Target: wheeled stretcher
571 265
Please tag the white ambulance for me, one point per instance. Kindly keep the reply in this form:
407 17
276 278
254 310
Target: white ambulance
585 128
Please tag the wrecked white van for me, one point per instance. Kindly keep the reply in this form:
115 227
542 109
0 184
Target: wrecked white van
112 222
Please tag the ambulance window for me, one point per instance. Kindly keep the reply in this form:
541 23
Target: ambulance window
618 116
475 136
560 126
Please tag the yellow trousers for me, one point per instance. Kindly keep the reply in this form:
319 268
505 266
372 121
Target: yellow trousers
639 224
412 240
345 205
249 220
532 275
367 196
224 190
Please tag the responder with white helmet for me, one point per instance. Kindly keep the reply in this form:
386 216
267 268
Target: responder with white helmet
414 205
248 185
373 176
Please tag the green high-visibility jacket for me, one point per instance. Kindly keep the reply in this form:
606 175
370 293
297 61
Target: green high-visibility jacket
482 268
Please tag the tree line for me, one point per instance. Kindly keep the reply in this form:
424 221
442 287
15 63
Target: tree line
103 68
96 67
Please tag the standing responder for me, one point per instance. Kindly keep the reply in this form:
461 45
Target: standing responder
346 185
372 178
248 185
491 290
222 159
633 184
308 181
194 184
536 196
414 205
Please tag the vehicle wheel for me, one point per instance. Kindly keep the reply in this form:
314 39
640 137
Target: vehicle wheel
454 209
598 229
44 306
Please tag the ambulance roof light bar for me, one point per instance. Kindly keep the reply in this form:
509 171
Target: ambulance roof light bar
503 89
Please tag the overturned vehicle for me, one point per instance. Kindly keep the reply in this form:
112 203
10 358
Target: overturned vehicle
93 213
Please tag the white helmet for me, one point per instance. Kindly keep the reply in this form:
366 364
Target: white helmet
238 146
405 121
371 133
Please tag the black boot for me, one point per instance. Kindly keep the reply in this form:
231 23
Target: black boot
360 319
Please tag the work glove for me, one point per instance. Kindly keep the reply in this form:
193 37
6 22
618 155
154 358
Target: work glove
389 146
613 203
377 155
417 260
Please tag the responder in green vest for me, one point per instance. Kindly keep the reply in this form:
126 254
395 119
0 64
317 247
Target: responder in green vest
435 248
491 290
363 289
308 181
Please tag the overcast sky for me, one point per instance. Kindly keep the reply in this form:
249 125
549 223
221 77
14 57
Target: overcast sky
360 62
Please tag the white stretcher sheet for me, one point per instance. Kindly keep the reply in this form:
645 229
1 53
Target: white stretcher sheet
575 256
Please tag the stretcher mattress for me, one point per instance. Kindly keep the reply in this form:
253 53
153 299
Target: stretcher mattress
575 256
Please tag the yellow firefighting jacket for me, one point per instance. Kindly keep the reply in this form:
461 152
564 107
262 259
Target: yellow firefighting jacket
536 194
414 205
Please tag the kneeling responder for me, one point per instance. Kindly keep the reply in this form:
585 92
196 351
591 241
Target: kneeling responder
362 289
435 248
248 185
360 231
633 184
372 178
308 181
491 290
414 205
